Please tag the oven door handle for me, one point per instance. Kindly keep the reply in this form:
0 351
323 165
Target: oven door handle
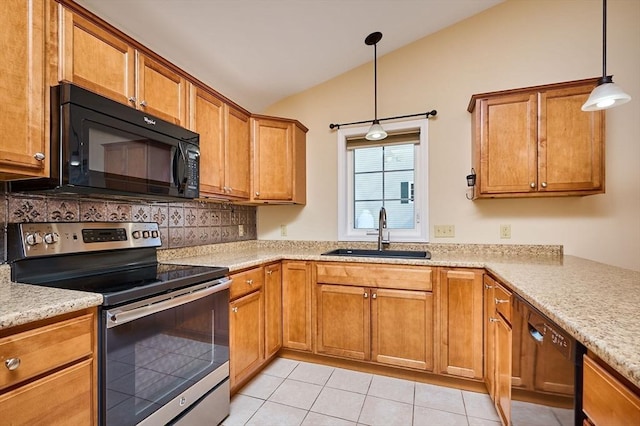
121 316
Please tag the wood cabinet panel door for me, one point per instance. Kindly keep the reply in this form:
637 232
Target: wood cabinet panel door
272 160
508 144
343 321
246 336
23 89
206 117
273 309
296 305
96 59
461 308
238 154
571 142
490 317
402 323
161 91
503 370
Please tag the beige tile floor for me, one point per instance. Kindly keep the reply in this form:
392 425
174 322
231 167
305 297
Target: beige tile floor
290 392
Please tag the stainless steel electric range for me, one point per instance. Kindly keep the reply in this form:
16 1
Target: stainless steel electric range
163 348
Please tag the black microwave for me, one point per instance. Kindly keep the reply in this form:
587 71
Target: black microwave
102 147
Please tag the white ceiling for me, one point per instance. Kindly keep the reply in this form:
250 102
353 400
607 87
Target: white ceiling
257 52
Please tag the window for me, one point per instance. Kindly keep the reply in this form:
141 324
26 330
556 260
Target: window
390 173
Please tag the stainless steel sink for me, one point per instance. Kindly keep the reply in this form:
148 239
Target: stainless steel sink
406 254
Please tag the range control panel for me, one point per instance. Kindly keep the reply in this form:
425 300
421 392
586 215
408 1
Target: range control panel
51 238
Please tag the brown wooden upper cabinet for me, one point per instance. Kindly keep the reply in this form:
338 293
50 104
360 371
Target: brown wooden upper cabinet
279 161
537 142
24 65
99 60
225 155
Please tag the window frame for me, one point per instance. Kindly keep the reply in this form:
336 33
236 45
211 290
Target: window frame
346 230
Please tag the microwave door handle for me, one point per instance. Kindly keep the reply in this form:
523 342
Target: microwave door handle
174 166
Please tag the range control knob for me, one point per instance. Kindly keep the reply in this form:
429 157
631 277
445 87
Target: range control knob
145 234
51 238
154 234
135 234
33 239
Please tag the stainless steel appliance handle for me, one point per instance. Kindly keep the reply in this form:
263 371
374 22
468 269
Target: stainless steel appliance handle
537 336
124 315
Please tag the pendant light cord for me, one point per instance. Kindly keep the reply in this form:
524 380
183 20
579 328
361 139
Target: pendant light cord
604 39
375 82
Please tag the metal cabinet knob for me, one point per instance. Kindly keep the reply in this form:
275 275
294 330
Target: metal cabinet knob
366 295
39 156
269 272
12 363
494 320
143 103
250 282
487 286
374 296
501 301
234 309
544 184
132 99
532 184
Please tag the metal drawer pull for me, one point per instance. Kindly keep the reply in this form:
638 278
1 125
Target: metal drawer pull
502 301
250 282
12 363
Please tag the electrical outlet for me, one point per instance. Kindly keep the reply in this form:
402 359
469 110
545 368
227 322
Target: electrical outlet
283 230
505 231
240 230
444 231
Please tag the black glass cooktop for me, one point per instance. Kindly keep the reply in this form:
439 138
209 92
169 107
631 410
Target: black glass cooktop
131 284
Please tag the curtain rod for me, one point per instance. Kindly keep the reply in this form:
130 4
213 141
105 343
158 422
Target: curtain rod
426 114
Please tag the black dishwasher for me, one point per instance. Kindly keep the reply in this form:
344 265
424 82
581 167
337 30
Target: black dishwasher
546 384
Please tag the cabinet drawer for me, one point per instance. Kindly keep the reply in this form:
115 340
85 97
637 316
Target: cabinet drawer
400 277
502 299
246 282
607 401
65 397
45 348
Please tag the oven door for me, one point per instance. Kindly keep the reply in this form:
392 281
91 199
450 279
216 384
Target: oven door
162 354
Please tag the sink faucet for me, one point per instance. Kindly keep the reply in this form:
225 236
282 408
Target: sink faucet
382 223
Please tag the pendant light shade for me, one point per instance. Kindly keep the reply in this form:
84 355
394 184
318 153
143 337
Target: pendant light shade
376 132
606 94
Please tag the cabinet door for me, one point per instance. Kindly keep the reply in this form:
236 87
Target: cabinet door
490 318
343 321
24 94
402 323
273 309
206 117
503 369
508 144
571 142
272 160
96 59
296 305
64 397
161 91
246 343
461 306
238 154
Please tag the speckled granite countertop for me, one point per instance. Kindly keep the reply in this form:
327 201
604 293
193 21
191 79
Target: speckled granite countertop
596 303
23 303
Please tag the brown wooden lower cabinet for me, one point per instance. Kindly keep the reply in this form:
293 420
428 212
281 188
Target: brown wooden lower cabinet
272 309
56 375
296 305
460 310
246 343
606 400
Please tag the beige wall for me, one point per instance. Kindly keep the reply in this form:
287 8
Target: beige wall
518 43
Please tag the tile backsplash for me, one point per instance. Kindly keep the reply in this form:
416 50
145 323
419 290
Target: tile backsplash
182 224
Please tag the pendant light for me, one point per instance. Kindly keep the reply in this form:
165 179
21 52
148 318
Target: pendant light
606 94
376 132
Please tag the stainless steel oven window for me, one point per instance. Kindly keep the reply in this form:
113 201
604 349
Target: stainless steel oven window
159 348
